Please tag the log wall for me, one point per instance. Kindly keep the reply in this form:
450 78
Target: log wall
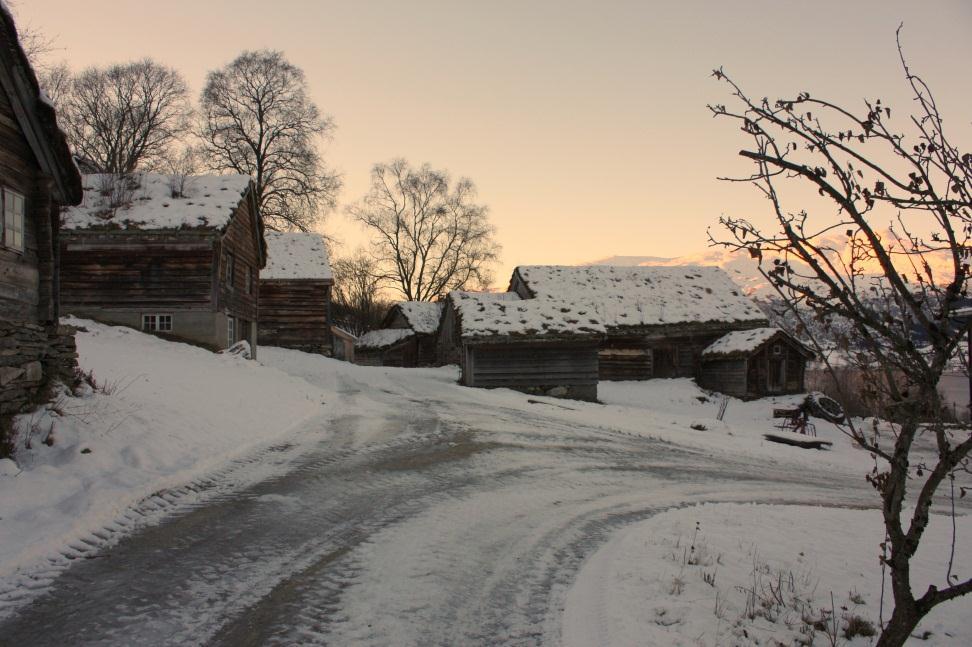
141 270
26 277
241 238
295 313
557 368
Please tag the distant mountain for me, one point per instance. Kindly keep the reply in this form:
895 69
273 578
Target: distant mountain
740 267
745 272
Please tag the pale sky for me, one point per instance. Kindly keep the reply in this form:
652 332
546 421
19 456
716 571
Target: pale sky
583 124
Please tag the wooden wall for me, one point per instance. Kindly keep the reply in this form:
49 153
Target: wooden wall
242 239
295 313
402 354
672 353
553 368
747 376
143 270
26 279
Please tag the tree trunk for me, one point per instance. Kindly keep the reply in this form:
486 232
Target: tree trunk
903 621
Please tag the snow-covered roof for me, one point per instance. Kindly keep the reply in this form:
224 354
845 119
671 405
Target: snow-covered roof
422 316
484 315
644 296
296 255
145 201
742 342
383 338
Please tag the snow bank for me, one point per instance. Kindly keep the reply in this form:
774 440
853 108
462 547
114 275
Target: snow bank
149 201
296 255
648 585
644 296
163 414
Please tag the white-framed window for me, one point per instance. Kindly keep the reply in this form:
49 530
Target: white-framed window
13 220
157 323
230 330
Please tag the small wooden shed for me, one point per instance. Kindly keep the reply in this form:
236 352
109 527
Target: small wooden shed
295 293
755 363
386 347
422 318
658 319
545 347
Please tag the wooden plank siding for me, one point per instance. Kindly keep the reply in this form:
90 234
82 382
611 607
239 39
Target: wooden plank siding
666 353
139 269
748 376
569 369
26 292
240 239
295 313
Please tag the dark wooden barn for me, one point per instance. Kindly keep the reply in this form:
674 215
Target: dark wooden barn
422 318
171 255
37 177
658 319
387 347
295 293
544 347
755 363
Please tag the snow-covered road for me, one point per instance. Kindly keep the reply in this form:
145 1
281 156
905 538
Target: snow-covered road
422 514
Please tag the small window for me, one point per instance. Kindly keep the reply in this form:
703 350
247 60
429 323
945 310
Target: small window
230 269
230 330
778 349
13 220
157 323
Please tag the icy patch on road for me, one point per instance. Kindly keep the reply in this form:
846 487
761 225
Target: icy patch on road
686 577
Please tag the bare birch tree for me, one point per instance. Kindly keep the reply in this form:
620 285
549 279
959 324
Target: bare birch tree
127 116
358 306
896 200
429 235
257 119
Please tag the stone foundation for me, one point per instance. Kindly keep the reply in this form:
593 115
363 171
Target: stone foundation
30 357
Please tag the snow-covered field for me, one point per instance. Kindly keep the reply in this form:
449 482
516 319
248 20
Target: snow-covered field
754 575
393 506
161 415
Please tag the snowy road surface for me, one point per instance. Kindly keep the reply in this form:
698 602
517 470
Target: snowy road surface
422 514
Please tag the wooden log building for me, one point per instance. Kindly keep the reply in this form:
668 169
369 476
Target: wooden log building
172 255
37 177
422 318
387 347
539 346
658 320
755 363
295 293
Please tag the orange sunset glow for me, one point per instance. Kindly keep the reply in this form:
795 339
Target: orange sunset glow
584 125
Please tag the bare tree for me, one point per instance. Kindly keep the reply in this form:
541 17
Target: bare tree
257 119
127 116
55 80
429 235
358 306
898 203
